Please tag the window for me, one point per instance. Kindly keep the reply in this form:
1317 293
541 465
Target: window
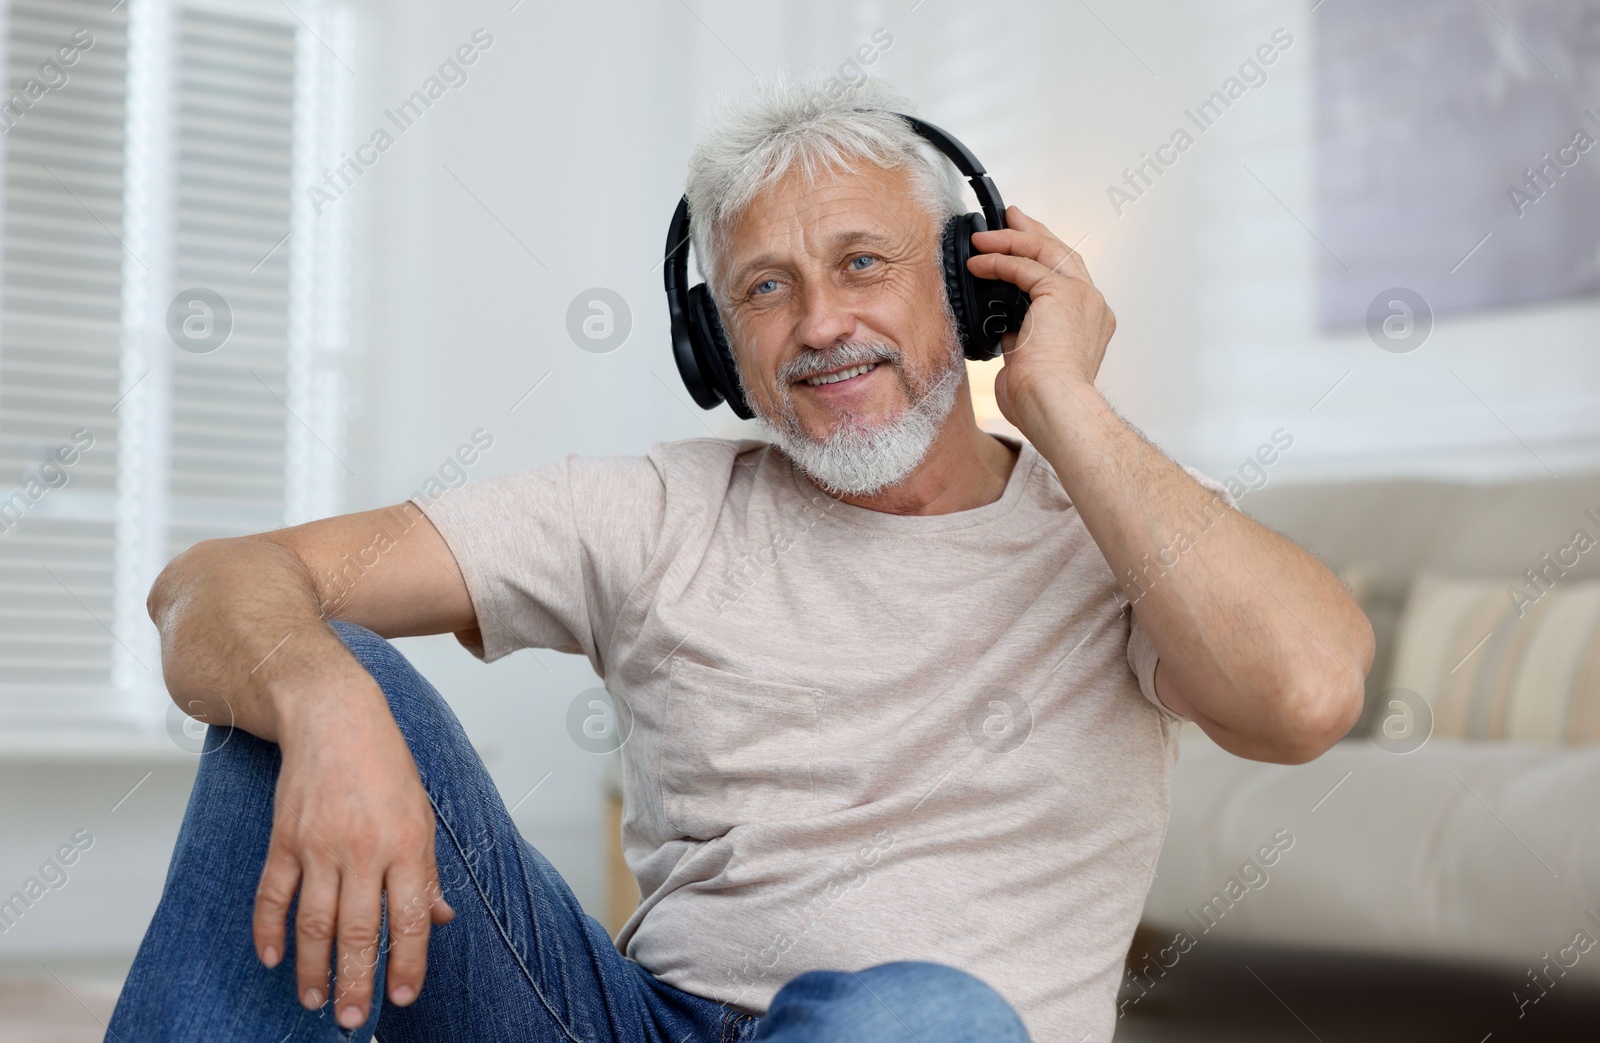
171 340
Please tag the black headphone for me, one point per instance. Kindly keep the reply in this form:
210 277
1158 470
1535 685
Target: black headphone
983 308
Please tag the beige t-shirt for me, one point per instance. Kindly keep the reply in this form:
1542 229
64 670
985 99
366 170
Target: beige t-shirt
852 737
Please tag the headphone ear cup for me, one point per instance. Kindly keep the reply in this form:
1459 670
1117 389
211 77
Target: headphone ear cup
955 248
712 348
1002 306
952 259
983 308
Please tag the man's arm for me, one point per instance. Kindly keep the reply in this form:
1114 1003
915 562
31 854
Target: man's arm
245 642
1258 642
236 615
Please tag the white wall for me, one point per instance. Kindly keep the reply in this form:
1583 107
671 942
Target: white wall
572 134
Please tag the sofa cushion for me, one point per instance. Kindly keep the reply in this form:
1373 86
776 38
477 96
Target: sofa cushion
1517 660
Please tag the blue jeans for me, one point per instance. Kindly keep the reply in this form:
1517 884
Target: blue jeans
520 961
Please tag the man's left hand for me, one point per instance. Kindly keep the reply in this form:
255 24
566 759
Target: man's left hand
1064 336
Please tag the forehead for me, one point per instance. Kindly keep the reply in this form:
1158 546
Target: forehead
810 215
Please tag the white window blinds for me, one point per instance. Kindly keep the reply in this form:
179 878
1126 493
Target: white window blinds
151 150
233 161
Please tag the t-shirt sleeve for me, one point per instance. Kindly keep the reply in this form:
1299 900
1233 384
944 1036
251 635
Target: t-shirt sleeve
1142 657
550 554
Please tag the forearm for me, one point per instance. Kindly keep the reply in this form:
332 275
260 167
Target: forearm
1259 642
243 634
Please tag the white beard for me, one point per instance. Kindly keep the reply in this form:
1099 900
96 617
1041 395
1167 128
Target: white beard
859 457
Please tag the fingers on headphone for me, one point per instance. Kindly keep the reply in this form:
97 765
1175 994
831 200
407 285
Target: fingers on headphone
1023 272
1051 252
1016 217
1021 242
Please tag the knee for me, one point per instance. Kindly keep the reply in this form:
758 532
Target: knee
412 699
937 1003
371 651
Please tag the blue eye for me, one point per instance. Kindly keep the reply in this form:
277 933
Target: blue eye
863 257
766 282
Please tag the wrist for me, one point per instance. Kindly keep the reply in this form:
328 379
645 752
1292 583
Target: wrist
1057 402
302 695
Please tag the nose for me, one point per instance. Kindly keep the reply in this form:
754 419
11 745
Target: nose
825 318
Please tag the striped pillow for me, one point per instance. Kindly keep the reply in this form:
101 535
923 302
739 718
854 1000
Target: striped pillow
1493 662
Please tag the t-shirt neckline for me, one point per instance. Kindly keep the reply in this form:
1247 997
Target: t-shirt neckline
909 524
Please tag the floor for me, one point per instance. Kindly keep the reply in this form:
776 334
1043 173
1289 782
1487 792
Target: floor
1226 993
1218 994
58 1002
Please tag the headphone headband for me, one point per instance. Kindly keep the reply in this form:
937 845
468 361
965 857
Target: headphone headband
994 208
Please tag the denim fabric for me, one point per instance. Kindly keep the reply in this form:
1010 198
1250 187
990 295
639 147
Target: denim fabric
521 960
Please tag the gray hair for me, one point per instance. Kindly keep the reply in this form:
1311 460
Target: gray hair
817 125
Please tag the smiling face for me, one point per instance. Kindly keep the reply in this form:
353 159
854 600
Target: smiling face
835 306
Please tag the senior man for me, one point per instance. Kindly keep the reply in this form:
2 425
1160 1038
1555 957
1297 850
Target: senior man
901 698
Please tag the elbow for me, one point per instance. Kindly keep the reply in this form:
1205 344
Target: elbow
160 594
167 588
1320 717
1320 708
1299 718
1324 701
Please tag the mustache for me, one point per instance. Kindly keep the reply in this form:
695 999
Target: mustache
857 353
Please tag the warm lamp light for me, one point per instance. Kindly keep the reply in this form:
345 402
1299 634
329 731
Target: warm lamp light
981 376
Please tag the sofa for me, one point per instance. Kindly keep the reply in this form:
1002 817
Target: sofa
1457 821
